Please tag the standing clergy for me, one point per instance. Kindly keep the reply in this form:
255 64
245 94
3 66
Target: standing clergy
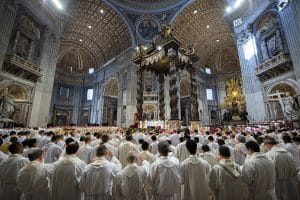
97 178
145 154
129 183
240 150
258 174
9 169
181 151
67 174
85 151
3 156
33 179
285 166
225 178
164 175
125 148
52 150
208 156
195 174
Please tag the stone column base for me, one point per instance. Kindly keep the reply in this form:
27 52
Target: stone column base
173 124
195 125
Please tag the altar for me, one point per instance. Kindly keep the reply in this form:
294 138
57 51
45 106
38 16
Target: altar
155 124
165 57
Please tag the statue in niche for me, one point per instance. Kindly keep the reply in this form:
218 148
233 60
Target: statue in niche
7 105
22 47
166 32
267 23
291 107
273 46
31 26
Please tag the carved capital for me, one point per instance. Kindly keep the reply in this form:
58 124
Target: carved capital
243 36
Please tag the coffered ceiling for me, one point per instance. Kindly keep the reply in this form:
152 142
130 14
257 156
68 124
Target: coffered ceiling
203 23
96 32
94 29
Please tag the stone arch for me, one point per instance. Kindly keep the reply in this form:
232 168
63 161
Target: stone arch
274 105
284 86
21 96
15 90
111 87
110 102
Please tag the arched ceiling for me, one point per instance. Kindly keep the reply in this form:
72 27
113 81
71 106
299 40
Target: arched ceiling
95 29
73 56
203 24
147 4
223 60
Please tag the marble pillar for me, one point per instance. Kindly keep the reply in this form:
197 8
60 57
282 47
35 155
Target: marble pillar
173 85
161 94
194 95
139 91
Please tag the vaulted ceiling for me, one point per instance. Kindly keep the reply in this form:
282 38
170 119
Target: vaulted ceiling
203 24
147 4
96 30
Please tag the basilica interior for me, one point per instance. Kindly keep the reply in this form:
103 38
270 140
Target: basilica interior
113 62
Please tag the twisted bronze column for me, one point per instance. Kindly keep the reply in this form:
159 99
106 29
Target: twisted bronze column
194 95
161 94
139 93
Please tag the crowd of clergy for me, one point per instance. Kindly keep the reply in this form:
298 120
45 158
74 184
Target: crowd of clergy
189 165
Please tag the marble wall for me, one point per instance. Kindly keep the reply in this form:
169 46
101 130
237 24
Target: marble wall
261 44
47 27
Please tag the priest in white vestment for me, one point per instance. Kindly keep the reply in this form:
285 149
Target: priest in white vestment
181 151
9 169
292 148
85 151
225 178
52 150
34 179
125 148
285 166
240 150
164 175
67 174
97 179
3 156
153 145
145 154
195 175
130 182
208 156
258 174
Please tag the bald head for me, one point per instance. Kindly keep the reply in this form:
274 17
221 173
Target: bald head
132 157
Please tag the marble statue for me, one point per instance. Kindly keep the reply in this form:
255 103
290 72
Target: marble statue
291 107
7 105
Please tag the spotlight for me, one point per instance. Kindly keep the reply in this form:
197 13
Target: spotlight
159 48
228 9
195 11
238 3
58 4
